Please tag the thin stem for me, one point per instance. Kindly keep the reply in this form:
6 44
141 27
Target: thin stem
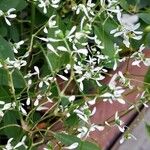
50 68
10 125
32 17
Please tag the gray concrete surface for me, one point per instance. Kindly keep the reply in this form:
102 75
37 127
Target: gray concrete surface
139 131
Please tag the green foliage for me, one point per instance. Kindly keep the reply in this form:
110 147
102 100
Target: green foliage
145 17
147 126
53 59
17 4
58 62
67 140
5 49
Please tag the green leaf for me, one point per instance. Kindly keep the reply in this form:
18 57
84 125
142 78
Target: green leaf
21 5
147 39
18 79
14 33
11 117
145 17
4 96
70 139
17 4
3 77
124 4
17 76
72 121
147 126
5 49
3 30
147 80
108 43
58 61
144 3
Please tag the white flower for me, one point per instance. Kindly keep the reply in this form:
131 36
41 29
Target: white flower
7 15
147 62
115 91
62 48
45 80
92 102
28 101
140 57
36 70
80 80
52 22
119 123
8 145
83 131
36 102
50 47
124 81
55 3
83 51
72 146
22 110
17 45
63 77
15 63
127 28
7 106
127 136
72 98
1 113
2 102
21 143
44 4
87 9
73 29
98 42
81 115
94 126
68 67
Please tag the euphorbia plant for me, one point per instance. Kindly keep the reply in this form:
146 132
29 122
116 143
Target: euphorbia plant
55 56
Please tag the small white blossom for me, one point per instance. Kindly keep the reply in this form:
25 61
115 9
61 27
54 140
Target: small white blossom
62 48
36 102
139 57
127 136
72 98
72 146
127 28
115 91
84 131
15 63
28 101
119 123
63 77
45 81
52 22
44 4
16 46
9 146
8 15
81 115
50 47
92 102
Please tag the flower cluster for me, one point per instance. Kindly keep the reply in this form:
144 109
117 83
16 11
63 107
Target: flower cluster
56 65
8 15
